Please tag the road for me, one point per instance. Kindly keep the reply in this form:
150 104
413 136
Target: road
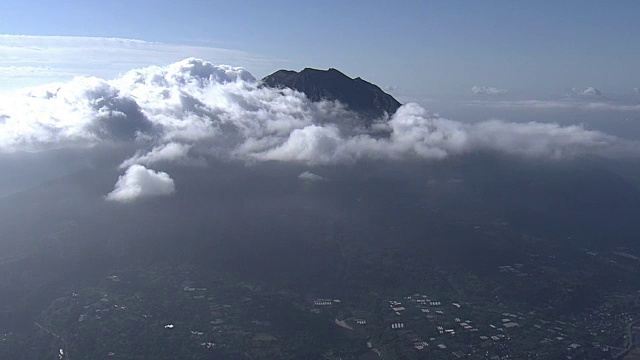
64 343
631 340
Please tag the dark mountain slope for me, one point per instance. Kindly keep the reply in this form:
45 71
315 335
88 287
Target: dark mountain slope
359 95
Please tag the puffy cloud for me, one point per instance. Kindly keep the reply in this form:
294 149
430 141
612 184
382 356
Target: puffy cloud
313 144
139 182
488 90
414 133
537 139
584 92
171 152
189 71
592 91
308 176
193 109
414 130
81 112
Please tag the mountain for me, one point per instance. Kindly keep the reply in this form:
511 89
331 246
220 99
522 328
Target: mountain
359 95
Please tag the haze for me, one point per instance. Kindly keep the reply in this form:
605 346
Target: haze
166 192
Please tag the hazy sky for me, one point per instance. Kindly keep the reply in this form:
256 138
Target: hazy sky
426 49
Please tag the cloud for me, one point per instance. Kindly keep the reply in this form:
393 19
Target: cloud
569 104
587 92
139 182
637 90
45 72
313 144
488 90
416 134
171 152
308 176
81 113
36 60
193 109
538 139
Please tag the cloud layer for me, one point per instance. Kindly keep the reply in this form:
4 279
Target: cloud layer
27 60
565 104
588 92
139 182
488 90
171 152
192 110
308 176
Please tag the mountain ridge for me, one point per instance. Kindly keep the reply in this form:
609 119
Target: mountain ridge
357 94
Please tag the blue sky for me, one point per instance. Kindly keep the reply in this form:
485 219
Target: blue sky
427 49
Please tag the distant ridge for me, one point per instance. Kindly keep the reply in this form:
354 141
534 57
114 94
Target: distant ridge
359 95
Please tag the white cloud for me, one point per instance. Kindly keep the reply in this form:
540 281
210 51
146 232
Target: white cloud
35 60
139 182
81 112
488 90
537 139
308 176
416 134
194 108
171 152
569 104
587 92
35 71
313 144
